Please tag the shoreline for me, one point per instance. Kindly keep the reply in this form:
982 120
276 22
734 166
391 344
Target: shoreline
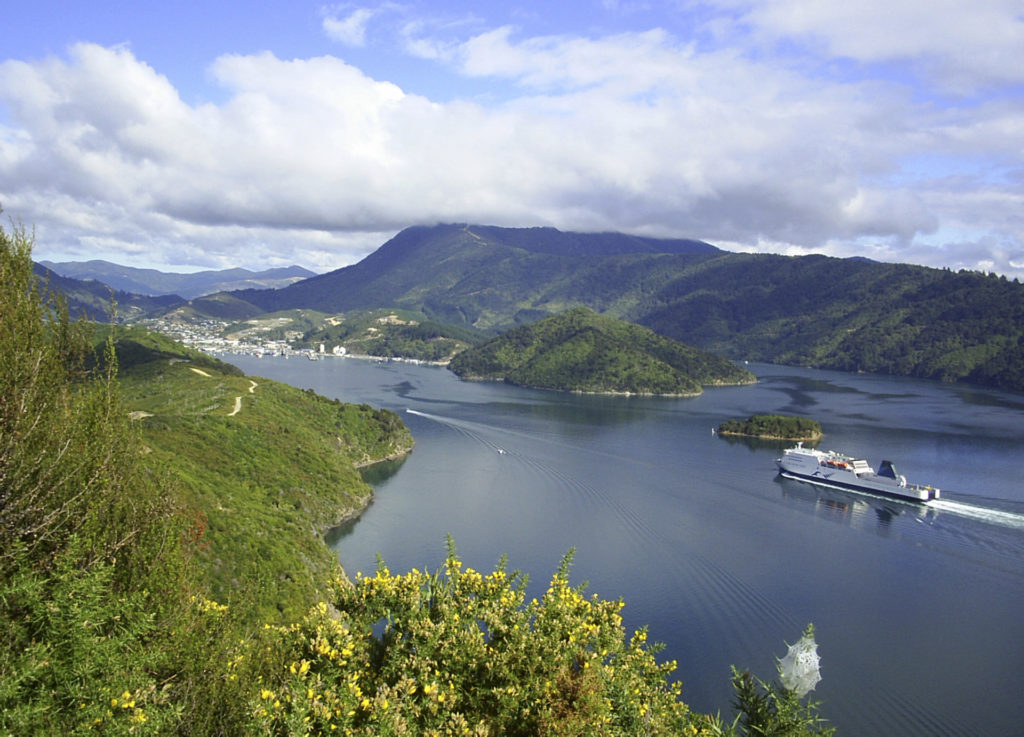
390 457
362 503
677 395
788 438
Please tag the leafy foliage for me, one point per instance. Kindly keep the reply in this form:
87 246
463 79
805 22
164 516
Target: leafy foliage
460 652
583 351
773 710
67 466
785 427
98 621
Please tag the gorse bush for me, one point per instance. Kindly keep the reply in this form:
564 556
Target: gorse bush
460 652
63 444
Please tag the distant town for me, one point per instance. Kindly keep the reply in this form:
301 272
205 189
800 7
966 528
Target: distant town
209 336
212 336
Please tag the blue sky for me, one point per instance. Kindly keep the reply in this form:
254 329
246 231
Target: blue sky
205 135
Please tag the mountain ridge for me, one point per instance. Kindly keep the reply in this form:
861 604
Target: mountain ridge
153 282
492 267
101 302
818 311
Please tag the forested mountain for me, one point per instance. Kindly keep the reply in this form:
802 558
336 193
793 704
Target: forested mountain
489 278
154 283
847 314
850 315
580 350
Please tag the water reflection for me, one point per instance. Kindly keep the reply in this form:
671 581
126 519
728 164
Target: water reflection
380 472
865 513
774 444
374 475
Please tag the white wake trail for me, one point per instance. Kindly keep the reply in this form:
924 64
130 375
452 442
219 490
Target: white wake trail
984 514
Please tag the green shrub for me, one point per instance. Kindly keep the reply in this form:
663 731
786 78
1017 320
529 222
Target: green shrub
459 652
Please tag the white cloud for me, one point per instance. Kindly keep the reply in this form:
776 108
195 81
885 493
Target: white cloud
350 30
959 45
311 159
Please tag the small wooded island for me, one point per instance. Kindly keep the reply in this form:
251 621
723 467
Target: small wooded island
582 351
774 427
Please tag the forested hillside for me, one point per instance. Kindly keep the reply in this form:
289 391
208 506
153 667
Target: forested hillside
490 278
846 314
851 315
98 301
580 350
250 454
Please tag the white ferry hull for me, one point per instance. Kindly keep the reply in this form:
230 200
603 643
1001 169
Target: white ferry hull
843 472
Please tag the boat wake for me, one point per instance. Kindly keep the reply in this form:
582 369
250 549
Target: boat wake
983 514
521 448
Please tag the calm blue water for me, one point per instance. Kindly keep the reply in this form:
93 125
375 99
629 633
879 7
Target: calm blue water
918 612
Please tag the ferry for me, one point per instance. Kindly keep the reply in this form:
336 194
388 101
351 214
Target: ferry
829 468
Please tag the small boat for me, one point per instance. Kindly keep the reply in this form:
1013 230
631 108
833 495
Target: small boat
829 468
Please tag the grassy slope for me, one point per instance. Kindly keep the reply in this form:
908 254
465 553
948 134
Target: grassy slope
265 482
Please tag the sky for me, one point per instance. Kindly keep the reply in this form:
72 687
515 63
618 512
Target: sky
193 135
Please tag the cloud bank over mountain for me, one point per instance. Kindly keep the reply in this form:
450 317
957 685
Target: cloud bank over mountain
849 129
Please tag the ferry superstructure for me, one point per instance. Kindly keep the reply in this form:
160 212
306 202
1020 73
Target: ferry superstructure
829 468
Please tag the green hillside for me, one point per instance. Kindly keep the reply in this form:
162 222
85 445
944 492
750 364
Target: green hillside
580 350
850 315
266 468
492 278
845 314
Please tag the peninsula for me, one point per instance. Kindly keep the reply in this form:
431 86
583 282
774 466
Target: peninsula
581 351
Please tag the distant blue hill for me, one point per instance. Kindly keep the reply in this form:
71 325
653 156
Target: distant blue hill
152 282
95 300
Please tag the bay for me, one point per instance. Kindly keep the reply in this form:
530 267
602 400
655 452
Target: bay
917 610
